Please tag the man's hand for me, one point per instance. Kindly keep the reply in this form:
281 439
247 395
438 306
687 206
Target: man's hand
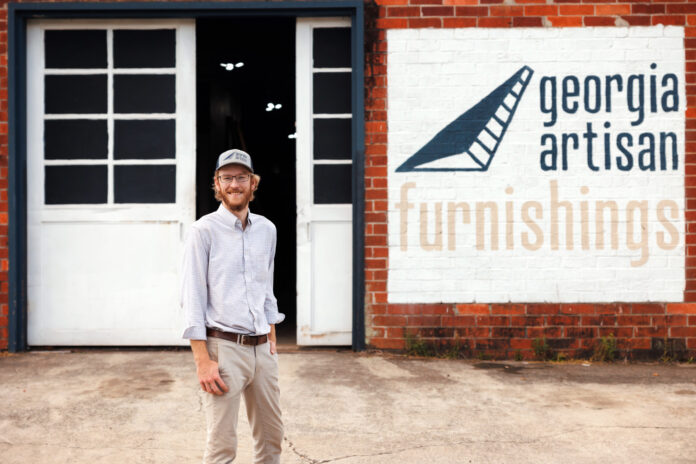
272 339
207 369
209 377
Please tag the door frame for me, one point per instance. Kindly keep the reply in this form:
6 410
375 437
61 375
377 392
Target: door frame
18 14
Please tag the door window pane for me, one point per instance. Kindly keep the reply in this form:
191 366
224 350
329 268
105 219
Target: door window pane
332 92
145 184
332 139
332 183
66 185
144 94
75 139
144 139
144 48
75 94
332 47
75 49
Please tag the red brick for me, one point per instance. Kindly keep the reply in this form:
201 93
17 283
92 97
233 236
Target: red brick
650 332
395 332
563 320
612 308
391 321
541 10
566 21
647 308
458 321
506 10
613 9
472 309
424 22
543 308
602 320
647 8
527 22
633 320
671 320
582 308
599 21
527 321
438 10
492 320
580 332
640 344
424 2
520 343
460 2
507 308
618 332
637 20
681 9
388 343
495 22
576 10
682 331
508 332
669 20
471 11
540 332
403 11
681 308
423 321
459 22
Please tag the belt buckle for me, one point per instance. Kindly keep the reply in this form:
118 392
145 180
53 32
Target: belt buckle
241 338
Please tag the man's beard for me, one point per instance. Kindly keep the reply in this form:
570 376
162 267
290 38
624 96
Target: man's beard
238 206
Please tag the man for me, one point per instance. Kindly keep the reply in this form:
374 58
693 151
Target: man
230 311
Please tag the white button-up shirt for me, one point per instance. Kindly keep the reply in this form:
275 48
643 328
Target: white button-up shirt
228 275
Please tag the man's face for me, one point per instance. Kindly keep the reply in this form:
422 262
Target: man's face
235 194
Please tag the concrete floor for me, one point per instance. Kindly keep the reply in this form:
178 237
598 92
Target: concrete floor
145 407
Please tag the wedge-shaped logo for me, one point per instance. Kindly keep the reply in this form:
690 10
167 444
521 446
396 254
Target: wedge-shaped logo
469 142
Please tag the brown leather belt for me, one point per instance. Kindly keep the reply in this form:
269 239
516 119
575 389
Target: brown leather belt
237 338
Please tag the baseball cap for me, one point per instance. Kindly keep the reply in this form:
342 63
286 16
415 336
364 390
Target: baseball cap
234 156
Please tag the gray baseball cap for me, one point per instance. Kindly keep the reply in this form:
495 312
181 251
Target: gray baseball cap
234 156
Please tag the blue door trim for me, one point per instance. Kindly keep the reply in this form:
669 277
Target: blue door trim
18 14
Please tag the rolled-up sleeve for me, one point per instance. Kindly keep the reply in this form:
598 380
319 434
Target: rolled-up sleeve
194 289
270 305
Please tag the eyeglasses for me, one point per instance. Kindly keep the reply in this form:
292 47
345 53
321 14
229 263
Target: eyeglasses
241 179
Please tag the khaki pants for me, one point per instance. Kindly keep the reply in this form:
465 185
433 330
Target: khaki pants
251 371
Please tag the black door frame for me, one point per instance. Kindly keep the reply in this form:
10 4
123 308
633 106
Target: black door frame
18 14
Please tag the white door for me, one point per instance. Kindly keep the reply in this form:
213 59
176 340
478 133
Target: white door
324 210
110 179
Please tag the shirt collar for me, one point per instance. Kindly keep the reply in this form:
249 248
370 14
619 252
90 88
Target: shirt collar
230 219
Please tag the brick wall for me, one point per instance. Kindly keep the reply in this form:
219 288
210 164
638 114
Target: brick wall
4 220
509 329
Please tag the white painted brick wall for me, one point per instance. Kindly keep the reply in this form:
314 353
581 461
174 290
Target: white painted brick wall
435 75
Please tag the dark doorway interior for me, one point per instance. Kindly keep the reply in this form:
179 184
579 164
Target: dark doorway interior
233 112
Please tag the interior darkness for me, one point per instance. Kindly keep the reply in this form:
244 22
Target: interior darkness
232 114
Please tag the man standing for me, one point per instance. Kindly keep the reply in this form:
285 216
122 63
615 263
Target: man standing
230 311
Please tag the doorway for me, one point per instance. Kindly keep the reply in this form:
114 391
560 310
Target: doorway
245 84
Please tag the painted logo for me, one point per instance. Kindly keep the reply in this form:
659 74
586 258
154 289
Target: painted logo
469 142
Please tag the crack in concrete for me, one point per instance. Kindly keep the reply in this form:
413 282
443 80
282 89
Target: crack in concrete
303 457
309 460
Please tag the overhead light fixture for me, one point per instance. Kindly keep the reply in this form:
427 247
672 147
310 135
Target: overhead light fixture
231 66
292 136
272 106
